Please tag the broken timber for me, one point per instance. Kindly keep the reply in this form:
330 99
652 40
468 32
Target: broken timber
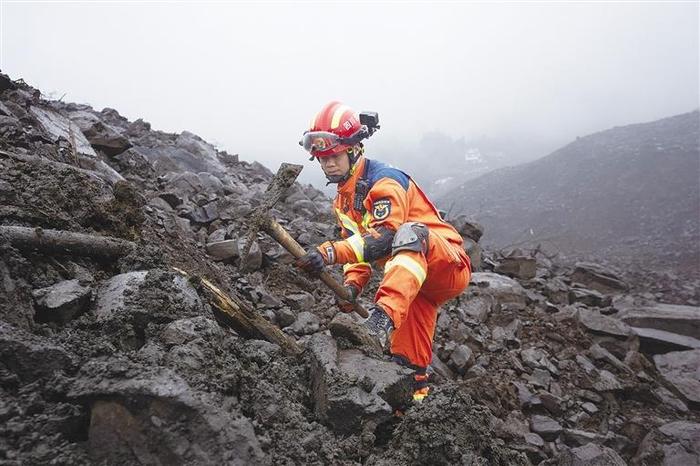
61 242
244 319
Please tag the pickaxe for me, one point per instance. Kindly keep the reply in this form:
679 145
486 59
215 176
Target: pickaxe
260 219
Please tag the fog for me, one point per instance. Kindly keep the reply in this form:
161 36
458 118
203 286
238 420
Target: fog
248 77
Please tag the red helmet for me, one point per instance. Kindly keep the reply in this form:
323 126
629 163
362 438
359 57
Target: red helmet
332 130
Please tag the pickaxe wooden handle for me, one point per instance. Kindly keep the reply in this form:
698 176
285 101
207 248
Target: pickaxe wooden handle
275 230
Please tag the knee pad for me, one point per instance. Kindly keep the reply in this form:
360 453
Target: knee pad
411 236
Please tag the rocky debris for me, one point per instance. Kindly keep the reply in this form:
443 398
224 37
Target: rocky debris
58 127
546 427
681 320
349 331
510 354
588 297
658 341
30 357
101 135
183 331
592 455
505 290
521 267
127 289
130 405
467 228
471 234
253 261
62 301
477 307
674 443
426 435
351 389
306 323
462 358
223 250
597 278
598 323
112 295
682 370
300 301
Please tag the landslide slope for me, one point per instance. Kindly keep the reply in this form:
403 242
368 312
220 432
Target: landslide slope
123 361
626 191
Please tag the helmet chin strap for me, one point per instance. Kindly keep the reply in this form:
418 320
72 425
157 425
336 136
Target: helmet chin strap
333 179
354 157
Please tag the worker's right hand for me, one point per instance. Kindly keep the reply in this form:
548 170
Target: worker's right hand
348 306
312 262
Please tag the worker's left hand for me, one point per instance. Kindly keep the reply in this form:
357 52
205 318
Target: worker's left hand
312 262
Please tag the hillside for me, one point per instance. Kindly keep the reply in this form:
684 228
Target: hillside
628 191
115 348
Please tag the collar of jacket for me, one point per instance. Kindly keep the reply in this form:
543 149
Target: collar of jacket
348 186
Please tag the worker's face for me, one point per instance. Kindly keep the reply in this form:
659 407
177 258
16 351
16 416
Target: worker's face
336 164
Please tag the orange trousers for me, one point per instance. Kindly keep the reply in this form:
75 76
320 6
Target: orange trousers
414 287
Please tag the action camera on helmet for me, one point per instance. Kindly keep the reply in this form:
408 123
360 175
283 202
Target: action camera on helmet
370 119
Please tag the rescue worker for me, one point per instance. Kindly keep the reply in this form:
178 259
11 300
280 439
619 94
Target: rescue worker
386 220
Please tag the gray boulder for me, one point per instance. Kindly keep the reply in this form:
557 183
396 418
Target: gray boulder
504 289
546 427
152 416
682 370
598 278
112 294
183 331
223 250
462 358
306 323
591 455
253 261
682 320
675 443
595 322
350 389
302 300
477 307
57 126
31 357
521 267
659 341
588 297
101 135
61 302
468 229
125 292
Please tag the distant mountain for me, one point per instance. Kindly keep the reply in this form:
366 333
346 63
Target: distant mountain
629 190
440 162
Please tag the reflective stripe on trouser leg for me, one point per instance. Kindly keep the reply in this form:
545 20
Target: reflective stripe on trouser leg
403 278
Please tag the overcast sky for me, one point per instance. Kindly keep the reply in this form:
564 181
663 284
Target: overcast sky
249 76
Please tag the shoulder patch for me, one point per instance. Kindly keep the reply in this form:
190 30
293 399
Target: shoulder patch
381 208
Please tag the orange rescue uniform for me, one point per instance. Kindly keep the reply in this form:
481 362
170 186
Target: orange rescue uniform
415 283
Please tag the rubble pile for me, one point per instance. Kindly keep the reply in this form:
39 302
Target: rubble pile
119 358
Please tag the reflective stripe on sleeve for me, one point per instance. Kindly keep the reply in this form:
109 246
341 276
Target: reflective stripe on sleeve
358 246
409 264
348 223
